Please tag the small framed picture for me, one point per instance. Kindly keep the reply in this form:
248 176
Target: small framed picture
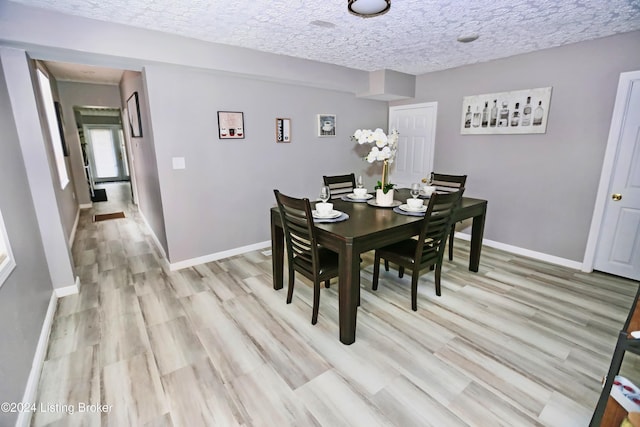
230 125
133 110
283 130
326 125
65 148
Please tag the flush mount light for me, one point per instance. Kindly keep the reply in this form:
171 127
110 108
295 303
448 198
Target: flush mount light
468 38
369 8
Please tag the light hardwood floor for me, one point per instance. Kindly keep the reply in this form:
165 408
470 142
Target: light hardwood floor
521 343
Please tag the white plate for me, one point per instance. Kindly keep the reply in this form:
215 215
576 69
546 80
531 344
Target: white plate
406 208
330 215
354 197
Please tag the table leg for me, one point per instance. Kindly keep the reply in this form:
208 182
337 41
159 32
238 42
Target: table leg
348 293
277 254
477 231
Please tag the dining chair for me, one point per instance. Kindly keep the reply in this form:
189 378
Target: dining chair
340 185
425 251
444 182
304 255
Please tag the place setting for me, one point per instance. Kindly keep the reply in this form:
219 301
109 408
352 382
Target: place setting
415 205
359 195
324 212
426 189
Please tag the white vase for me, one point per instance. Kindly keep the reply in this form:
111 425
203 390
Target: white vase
383 199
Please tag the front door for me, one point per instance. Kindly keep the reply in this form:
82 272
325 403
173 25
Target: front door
618 246
416 125
107 153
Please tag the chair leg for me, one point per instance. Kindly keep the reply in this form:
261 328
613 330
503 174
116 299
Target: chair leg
400 271
451 234
290 286
438 271
414 290
376 271
386 265
327 283
316 302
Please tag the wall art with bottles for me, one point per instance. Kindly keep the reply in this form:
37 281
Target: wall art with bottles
518 111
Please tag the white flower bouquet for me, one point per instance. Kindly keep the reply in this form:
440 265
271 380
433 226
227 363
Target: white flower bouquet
383 150
384 147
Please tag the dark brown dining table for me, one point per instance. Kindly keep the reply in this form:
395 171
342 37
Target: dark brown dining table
368 228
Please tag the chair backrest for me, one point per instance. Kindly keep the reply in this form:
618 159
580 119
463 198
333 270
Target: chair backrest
436 225
444 182
340 185
299 232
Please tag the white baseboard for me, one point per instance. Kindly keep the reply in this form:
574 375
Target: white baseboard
155 239
218 255
31 390
86 206
68 290
74 229
576 265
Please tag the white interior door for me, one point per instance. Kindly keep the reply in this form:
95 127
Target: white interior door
618 245
416 125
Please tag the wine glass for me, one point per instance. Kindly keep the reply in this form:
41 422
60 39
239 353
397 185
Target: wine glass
325 193
415 190
359 183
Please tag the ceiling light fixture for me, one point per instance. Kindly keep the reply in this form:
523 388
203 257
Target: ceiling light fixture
369 8
468 38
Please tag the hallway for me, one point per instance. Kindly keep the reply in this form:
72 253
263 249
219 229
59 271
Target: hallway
520 343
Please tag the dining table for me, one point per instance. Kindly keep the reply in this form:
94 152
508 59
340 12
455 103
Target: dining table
367 228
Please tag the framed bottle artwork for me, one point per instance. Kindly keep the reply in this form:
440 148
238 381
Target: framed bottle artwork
514 112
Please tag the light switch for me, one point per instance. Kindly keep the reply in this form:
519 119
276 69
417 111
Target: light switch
178 162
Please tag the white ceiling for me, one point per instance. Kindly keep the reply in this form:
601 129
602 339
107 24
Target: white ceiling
415 36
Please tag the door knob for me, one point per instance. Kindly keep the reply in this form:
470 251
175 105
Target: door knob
616 197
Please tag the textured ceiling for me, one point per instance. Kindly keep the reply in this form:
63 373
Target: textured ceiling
415 36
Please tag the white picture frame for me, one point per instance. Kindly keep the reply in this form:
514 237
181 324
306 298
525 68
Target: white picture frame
514 112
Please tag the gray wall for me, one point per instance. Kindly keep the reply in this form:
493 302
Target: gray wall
82 94
541 188
25 295
221 200
143 152
65 197
38 160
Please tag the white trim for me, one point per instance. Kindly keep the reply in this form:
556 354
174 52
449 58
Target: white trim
31 390
525 252
9 262
86 206
68 290
622 95
218 255
74 228
155 239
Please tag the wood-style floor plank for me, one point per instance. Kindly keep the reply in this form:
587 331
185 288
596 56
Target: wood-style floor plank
520 343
